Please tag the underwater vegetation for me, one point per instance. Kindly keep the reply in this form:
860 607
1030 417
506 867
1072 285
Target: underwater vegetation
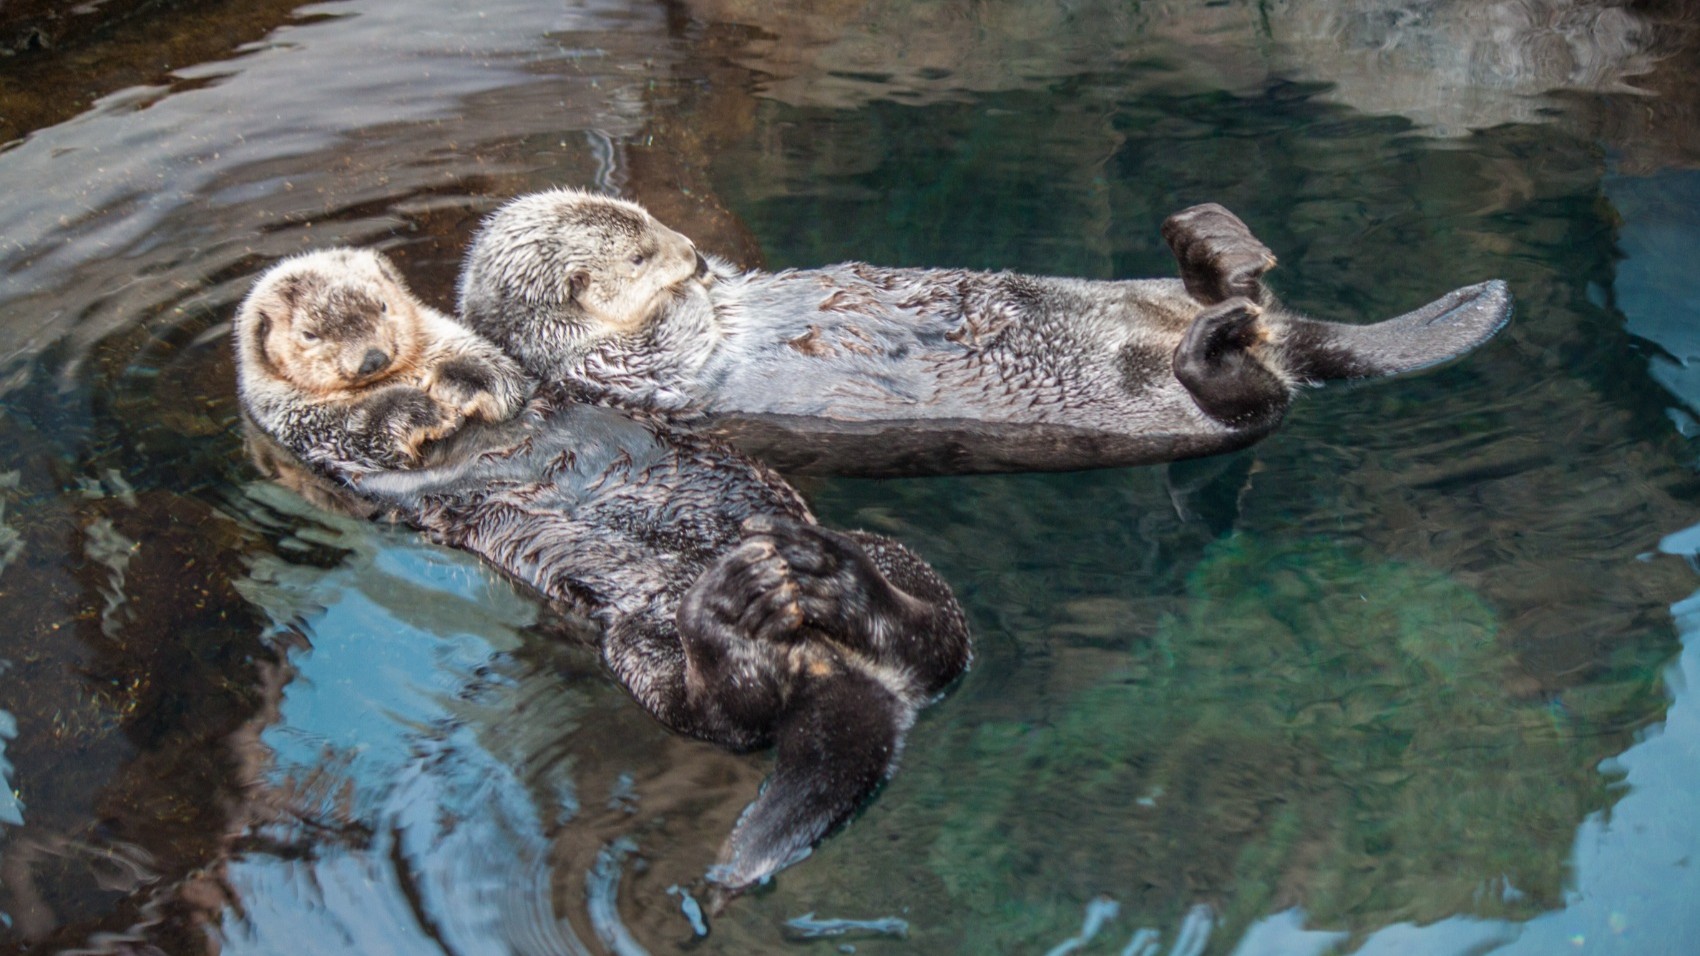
1311 726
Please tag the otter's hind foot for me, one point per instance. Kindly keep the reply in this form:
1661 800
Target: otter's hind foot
840 589
1219 257
1215 364
751 591
871 596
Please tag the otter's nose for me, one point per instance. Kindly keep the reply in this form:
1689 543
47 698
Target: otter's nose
702 266
373 362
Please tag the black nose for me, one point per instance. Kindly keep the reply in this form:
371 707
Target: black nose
373 362
702 266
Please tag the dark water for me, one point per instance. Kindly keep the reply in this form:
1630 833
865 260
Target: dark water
1410 676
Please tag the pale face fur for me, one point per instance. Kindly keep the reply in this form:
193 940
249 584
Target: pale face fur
333 321
584 266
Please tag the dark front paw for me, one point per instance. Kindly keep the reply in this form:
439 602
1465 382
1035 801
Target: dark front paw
479 389
396 421
1219 257
749 590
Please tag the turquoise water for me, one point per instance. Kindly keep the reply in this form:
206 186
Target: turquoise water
1412 676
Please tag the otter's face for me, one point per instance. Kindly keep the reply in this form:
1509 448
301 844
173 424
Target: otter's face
585 264
332 321
642 261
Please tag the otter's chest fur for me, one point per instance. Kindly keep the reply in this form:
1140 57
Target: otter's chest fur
505 491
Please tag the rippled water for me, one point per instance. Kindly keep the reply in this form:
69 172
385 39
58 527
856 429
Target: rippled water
1413 675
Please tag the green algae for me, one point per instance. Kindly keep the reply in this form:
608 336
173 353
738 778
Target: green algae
1312 726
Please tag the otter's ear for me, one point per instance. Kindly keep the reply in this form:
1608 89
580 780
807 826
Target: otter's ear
577 282
263 331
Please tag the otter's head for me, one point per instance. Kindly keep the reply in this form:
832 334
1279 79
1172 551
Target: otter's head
329 321
557 270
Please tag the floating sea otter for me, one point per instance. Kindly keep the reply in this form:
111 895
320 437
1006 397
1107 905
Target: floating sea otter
724 609
858 369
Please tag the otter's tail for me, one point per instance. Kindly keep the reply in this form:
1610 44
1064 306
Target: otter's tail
1446 328
832 751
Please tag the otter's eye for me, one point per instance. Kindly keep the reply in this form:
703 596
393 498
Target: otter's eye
637 260
307 336
383 306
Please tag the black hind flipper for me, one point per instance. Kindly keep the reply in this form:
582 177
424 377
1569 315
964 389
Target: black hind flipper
1215 363
833 748
1444 329
826 645
874 597
1219 257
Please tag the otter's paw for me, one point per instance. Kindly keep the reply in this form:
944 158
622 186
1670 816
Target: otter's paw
750 590
840 588
1225 379
401 420
1222 333
1219 257
478 389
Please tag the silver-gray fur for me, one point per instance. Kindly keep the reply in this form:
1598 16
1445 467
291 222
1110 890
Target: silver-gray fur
860 369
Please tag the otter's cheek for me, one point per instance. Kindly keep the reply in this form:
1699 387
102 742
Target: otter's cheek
608 313
400 343
315 377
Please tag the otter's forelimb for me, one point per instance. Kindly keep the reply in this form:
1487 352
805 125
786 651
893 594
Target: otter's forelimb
384 429
487 387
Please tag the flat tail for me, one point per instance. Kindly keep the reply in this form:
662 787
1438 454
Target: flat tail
832 751
1446 328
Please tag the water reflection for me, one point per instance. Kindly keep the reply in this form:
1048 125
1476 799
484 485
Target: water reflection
1392 667
405 832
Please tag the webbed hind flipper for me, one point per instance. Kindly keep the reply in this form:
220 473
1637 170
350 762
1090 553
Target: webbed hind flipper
863 632
1216 365
857 589
757 670
1446 328
835 745
1219 257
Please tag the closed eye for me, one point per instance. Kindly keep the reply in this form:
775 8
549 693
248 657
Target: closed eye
309 336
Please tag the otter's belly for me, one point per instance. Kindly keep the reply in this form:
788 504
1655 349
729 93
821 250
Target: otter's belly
855 370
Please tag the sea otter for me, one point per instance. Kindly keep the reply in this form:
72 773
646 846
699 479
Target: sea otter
338 358
724 609
860 369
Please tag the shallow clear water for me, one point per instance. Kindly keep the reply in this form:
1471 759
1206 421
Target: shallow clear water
1410 676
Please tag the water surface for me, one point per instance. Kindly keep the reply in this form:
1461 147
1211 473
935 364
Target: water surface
1410 676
